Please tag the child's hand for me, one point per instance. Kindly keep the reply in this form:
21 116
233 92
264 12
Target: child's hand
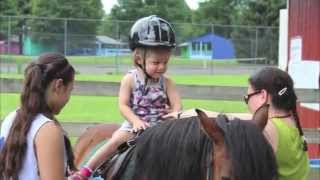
77 176
172 115
138 125
167 109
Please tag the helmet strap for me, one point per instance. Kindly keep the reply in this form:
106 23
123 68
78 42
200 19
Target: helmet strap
143 67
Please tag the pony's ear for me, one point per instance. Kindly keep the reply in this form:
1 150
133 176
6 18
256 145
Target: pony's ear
260 117
211 127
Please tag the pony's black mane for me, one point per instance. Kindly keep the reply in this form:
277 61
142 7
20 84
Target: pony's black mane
173 150
179 150
251 154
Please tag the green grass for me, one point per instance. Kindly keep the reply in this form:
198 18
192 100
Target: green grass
212 80
73 140
217 80
105 109
72 59
105 60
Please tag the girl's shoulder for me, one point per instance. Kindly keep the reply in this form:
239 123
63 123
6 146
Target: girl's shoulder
166 77
52 128
133 73
168 81
127 79
271 134
48 131
42 119
127 82
284 124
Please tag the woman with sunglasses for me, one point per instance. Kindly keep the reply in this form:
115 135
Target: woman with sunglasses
274 87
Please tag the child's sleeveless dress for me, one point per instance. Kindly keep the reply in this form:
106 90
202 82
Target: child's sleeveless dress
148 102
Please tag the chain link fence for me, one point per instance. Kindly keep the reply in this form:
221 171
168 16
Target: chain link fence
105 42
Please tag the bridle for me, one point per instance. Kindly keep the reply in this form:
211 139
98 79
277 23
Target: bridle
209 163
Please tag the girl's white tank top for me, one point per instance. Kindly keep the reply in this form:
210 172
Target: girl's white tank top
29 169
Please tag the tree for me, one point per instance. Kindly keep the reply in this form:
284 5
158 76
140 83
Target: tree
52 30
17 24
263 40
131 10
24 9
8 7
214 12
218 12
128 11
261 12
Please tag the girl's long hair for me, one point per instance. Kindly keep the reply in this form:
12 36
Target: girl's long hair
38 75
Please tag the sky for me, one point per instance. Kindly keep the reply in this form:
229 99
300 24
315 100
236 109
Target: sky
108 4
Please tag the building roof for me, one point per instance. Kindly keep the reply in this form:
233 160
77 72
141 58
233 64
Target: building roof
108 40
183 44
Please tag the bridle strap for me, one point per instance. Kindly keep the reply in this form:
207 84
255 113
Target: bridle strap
209 163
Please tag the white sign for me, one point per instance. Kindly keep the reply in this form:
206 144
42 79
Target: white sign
305 74
296 49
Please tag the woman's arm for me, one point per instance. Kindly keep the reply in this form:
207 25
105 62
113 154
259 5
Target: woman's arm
49 147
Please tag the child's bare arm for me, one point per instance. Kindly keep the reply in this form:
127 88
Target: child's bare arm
175 105
173 96
124 103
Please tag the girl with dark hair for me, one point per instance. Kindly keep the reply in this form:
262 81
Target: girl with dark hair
35 146
275 87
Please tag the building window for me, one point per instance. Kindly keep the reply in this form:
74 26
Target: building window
207 48
195 48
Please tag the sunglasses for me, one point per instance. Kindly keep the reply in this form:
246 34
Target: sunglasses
247 97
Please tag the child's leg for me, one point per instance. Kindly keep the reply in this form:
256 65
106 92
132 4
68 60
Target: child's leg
110 147
90 138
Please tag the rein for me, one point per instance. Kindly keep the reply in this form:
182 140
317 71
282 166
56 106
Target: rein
209 164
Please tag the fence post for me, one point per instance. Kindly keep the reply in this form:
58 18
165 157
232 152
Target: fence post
211 62
65 35
9 42
9 35
256 49
117 53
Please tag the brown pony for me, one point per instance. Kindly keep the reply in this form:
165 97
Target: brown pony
90 138
202 148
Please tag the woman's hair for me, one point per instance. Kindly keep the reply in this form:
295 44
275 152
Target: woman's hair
38 75
279 86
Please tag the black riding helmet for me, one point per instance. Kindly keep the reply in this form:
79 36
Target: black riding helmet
151 31
148 32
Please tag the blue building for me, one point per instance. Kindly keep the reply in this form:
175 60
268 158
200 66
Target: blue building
208 46
106 46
